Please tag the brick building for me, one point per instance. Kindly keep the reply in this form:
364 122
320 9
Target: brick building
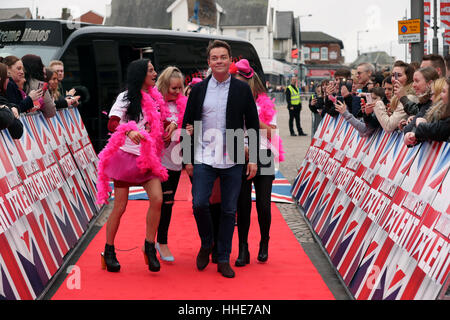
322 55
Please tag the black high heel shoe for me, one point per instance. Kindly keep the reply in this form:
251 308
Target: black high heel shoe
244 255
150 257
109 260
263 253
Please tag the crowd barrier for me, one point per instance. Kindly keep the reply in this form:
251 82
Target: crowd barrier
47 199
380 209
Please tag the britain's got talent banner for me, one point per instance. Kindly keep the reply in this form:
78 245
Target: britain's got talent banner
380 209
46 200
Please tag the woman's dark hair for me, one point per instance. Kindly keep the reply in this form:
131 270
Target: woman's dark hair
136 74
3 77
409 70
34 68
10 60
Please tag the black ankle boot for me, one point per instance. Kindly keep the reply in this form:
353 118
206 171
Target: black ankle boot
244 255
109 260
263 253
150 256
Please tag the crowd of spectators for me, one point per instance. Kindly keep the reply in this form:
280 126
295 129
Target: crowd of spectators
412 98
26 85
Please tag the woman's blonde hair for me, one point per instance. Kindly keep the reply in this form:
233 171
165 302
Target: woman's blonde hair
438 110
163 82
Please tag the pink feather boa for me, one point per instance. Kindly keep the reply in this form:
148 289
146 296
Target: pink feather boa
155 110
266 113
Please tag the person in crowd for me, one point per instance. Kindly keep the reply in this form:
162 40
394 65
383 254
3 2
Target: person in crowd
265 174
364 72
429 94
170 85
35 77
435 125
188 88
333 90
132 157
415 65
388 89
435 61
447 64
317 100
423 80
390 116
364 127
58 98
222 103
15 90
294 105
9 113
58 67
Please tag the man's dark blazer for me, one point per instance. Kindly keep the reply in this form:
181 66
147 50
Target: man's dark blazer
241 108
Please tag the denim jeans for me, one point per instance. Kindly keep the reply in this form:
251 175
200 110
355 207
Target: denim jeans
230 186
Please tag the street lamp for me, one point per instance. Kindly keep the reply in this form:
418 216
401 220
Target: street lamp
299 59
357 40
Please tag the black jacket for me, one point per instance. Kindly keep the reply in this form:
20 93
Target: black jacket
241 109
422 109
14 96
435 131
15 126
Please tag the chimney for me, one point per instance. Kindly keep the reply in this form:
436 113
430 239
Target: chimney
65 15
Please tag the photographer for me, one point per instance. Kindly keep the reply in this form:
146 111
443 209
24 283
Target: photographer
333 92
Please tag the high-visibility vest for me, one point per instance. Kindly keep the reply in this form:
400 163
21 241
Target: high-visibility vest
295 96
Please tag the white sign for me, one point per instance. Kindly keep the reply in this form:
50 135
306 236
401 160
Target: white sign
409 38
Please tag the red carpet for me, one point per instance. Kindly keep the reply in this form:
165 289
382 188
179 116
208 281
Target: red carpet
288 275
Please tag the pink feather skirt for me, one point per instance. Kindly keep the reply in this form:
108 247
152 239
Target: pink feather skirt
123 170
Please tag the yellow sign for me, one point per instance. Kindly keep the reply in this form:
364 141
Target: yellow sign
409 27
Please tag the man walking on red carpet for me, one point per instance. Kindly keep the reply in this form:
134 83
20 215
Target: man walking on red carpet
218 107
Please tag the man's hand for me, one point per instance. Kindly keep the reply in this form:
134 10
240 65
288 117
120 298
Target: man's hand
420 120
410 139
251 170
189 169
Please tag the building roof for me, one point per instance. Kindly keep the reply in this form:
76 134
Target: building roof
15 13
140 13
319 37
243 13
376 58
285 25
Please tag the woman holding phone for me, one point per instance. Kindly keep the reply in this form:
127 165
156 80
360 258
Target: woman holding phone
392 115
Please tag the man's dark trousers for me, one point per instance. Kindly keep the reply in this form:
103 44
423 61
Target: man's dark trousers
230 187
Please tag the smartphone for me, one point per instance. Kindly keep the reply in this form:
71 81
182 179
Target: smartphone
340 98
396 75
313 96
369 98
45 87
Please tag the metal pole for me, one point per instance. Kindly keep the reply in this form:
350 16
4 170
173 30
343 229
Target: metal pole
417 12
435 28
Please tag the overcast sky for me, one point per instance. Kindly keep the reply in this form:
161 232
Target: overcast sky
341 19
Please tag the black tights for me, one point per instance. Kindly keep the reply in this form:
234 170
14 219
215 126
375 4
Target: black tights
263 190
169 188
